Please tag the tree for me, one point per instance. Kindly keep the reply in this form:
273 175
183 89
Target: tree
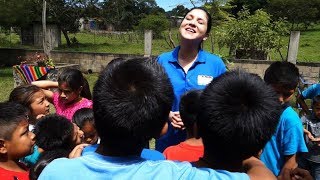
295 11
251 5
18 13
252 34
156 23
125 14
180 10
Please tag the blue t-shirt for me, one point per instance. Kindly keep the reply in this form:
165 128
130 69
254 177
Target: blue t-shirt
206 67
311 91
32 158
287 140
148 154
95 166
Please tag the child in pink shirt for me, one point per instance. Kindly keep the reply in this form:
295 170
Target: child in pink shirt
73 92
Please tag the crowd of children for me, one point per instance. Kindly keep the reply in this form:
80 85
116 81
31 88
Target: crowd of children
237 125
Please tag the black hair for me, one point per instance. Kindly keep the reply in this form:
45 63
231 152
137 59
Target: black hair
24 94
11 114
237 116
315 100
188 108
282 73
75 79
209 24
83 115
45 158
131 104
54 132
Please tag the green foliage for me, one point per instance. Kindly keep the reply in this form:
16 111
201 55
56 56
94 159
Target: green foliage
125 14
180 10
156 23
252 32
296 11
251 5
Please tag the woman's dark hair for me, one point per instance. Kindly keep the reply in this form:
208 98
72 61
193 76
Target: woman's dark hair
82 116
209 24
24 94
75 79
45 158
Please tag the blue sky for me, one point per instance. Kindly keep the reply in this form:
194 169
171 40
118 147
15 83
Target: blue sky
167 5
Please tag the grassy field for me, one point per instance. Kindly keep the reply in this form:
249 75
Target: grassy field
133 44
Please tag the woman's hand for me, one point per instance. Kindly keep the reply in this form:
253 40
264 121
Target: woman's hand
176 120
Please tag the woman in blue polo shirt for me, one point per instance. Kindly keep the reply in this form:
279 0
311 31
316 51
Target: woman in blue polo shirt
188 67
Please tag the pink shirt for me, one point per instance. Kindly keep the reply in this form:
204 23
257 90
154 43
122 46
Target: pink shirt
69 109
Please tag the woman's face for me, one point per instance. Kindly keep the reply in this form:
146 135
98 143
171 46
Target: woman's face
40 104
194 26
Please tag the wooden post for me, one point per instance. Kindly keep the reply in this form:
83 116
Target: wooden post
293 47
147 43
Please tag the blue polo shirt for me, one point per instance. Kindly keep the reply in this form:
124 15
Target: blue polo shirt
206 67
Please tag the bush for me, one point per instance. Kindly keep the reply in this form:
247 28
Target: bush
156 23
252 33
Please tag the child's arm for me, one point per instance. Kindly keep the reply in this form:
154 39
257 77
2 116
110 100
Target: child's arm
303 104
308 133
45 85
290 163
256 169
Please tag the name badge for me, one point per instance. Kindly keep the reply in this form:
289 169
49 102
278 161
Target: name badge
204 80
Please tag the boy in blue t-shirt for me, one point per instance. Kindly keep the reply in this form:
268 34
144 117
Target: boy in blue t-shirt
311 160
281 151
235 120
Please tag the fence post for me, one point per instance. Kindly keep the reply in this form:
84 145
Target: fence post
147 43
293 47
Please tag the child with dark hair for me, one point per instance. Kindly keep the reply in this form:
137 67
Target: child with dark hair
281 151
57 132
192 148
311 160
84 119
132 101
33 98
73 94
237 116
16 141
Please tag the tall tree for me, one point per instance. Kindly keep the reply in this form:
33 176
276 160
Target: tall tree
125 14
296 11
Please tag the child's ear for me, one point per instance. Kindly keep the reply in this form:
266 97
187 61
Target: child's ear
3 148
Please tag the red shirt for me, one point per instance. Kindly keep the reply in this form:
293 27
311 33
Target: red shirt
12 175
184 152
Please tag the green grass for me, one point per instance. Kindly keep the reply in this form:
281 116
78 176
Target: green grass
6 83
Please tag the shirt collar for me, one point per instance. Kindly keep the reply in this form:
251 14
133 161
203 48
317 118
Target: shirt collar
200 59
